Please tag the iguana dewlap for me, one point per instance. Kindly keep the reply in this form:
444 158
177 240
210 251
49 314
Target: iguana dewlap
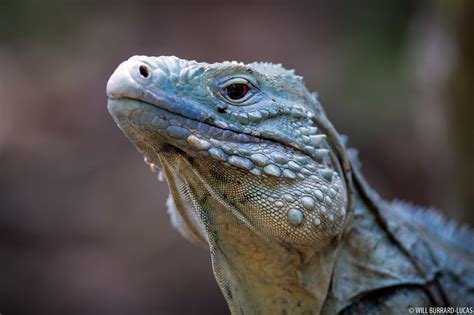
259 175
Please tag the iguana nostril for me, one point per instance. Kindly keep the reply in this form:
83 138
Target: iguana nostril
144 71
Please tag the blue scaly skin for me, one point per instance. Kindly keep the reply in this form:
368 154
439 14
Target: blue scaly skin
258 174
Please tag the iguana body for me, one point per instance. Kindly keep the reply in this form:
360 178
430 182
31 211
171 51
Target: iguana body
258 173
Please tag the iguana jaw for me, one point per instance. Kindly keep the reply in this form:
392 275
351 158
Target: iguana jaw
150 127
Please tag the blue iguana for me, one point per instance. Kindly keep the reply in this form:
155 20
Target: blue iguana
258 174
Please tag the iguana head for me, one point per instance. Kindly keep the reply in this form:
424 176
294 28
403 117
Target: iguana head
246 140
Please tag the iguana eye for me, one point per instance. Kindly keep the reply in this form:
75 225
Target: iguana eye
236 90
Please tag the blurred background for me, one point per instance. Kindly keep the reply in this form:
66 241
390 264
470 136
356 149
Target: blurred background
83 226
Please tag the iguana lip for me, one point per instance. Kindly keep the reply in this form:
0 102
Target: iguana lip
199 123
199 126
152 128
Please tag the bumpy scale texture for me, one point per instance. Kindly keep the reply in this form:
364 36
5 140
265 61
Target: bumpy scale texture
258 174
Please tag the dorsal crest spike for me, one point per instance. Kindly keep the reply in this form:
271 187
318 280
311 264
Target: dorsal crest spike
274 69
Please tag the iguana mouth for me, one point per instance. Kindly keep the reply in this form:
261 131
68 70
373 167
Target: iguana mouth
218 131
143 120
204 124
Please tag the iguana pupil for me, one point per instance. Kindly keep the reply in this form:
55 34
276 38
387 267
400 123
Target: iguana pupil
237 90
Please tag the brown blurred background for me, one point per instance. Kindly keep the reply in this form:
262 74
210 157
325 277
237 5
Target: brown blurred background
83 226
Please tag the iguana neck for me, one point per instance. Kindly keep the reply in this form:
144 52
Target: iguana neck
259 276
